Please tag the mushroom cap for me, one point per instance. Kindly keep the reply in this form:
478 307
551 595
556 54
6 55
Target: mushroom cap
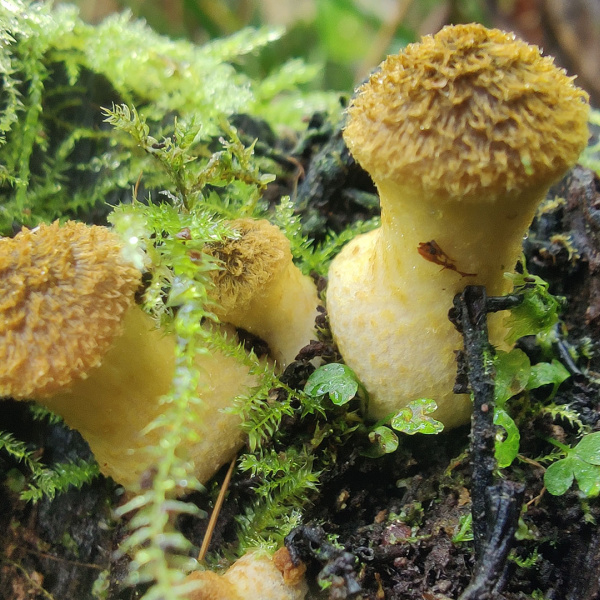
63 293
250 262
254 575
468 114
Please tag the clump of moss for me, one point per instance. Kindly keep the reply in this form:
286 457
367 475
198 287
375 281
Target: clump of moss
59 158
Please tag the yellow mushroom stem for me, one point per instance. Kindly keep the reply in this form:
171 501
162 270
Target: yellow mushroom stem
261 290
463 134
489 243
113 404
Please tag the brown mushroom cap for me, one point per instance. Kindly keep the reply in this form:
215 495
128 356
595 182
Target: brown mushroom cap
258 255
468 114
63 293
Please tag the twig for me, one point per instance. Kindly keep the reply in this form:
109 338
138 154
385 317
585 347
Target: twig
215 513
495 508
470 316
137 185
60 559
505 501
34 584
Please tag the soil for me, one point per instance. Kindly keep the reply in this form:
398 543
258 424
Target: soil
397 519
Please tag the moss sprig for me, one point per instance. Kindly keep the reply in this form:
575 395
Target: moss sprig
286 483
57 158
42 480
190 166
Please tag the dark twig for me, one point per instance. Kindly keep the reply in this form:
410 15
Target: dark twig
495 508
496 303
470 316
338 570
505 502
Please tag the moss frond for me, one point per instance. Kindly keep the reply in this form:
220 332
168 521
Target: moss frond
57 157
287 481
46 481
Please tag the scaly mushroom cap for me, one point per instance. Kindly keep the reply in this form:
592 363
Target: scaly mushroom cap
468 114
258 255
63 293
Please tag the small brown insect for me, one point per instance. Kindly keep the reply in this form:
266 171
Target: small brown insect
432 252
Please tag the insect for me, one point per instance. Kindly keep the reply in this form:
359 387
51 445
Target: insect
432 252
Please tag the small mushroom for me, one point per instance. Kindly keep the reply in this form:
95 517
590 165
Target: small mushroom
254 575
261 290
73 339
462 133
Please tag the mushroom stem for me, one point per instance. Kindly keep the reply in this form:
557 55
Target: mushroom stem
490 241
261 290
283 315
117 400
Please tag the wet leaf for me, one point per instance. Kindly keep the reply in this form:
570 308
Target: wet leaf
337 380
559 476
383 440
508 447
413 419
588 448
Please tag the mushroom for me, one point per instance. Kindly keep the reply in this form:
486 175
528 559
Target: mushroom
254 575
73 339
262 291
462 133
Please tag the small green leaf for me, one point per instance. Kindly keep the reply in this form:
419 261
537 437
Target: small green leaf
587 476
337 380
383 440
465 533
512 374
547 373
588 448
507 448
413 419
558 477
538 313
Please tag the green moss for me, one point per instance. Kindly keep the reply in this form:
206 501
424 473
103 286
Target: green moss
59 159
42 480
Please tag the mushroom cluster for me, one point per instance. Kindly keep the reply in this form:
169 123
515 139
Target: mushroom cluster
73 339
463 134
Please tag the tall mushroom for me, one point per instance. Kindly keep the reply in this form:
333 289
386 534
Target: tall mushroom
72 338
462 133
